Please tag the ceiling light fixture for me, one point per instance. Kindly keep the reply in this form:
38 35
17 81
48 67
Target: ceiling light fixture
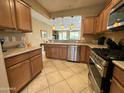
72 26
62 25
53 26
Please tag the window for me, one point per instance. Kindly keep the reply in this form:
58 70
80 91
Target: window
74 35
62 35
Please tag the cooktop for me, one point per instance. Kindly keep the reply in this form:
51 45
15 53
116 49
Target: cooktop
109 54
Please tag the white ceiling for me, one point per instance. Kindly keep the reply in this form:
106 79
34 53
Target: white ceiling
62 5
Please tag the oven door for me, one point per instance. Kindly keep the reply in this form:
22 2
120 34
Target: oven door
95 79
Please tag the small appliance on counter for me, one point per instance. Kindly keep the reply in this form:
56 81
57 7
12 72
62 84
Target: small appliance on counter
2 42
101 40
111 44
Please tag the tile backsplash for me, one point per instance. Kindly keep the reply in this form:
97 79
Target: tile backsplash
12 39
116 36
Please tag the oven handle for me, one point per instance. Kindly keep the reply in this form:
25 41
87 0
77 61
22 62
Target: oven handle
96 64
93 81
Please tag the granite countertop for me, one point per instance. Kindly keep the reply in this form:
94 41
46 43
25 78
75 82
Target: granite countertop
86 44
17 51
120 64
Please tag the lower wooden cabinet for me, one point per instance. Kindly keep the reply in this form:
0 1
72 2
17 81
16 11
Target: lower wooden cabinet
84 54
19 75
117 85
36 65
56 51
23 68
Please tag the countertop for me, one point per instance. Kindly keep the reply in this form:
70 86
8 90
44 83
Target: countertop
85 44
120 64
17 51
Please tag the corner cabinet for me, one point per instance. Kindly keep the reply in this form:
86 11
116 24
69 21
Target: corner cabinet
7 14
23 14
84 54
106 13
15 15
22 68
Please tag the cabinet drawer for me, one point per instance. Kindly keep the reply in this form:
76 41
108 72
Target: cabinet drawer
119 75
16 59
35 52
19 75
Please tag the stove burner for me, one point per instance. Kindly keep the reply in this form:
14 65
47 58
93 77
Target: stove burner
109 54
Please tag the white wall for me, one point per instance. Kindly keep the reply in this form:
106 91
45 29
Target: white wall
39 23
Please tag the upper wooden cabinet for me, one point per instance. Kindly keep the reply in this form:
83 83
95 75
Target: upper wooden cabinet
105 19
15 14
115 2
88 25
7 14
23 14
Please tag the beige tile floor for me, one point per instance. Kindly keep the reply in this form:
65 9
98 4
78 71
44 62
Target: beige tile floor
60 77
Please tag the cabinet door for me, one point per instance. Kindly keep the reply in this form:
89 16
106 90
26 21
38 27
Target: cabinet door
23 14
36 65
88 25
63 52
48 51
83 54
106 13
55 52
116 87
7 16
19 75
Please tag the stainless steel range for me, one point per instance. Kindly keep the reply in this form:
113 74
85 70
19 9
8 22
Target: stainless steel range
101 68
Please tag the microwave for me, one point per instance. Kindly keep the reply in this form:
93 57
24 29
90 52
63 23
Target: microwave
116 17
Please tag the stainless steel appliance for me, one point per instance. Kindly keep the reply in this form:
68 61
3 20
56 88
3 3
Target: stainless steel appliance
116 17
73 53
101 68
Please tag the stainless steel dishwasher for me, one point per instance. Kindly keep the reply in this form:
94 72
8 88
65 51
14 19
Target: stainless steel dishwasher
74 53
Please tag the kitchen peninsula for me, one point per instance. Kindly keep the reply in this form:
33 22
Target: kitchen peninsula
60 50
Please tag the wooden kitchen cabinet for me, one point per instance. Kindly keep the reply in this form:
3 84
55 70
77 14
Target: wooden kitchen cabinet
56 51
88 25
36 65
7 14
84 54
106 13
117 85
19 75
15 15
115 2
23 14
99 23
22 68
63 52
